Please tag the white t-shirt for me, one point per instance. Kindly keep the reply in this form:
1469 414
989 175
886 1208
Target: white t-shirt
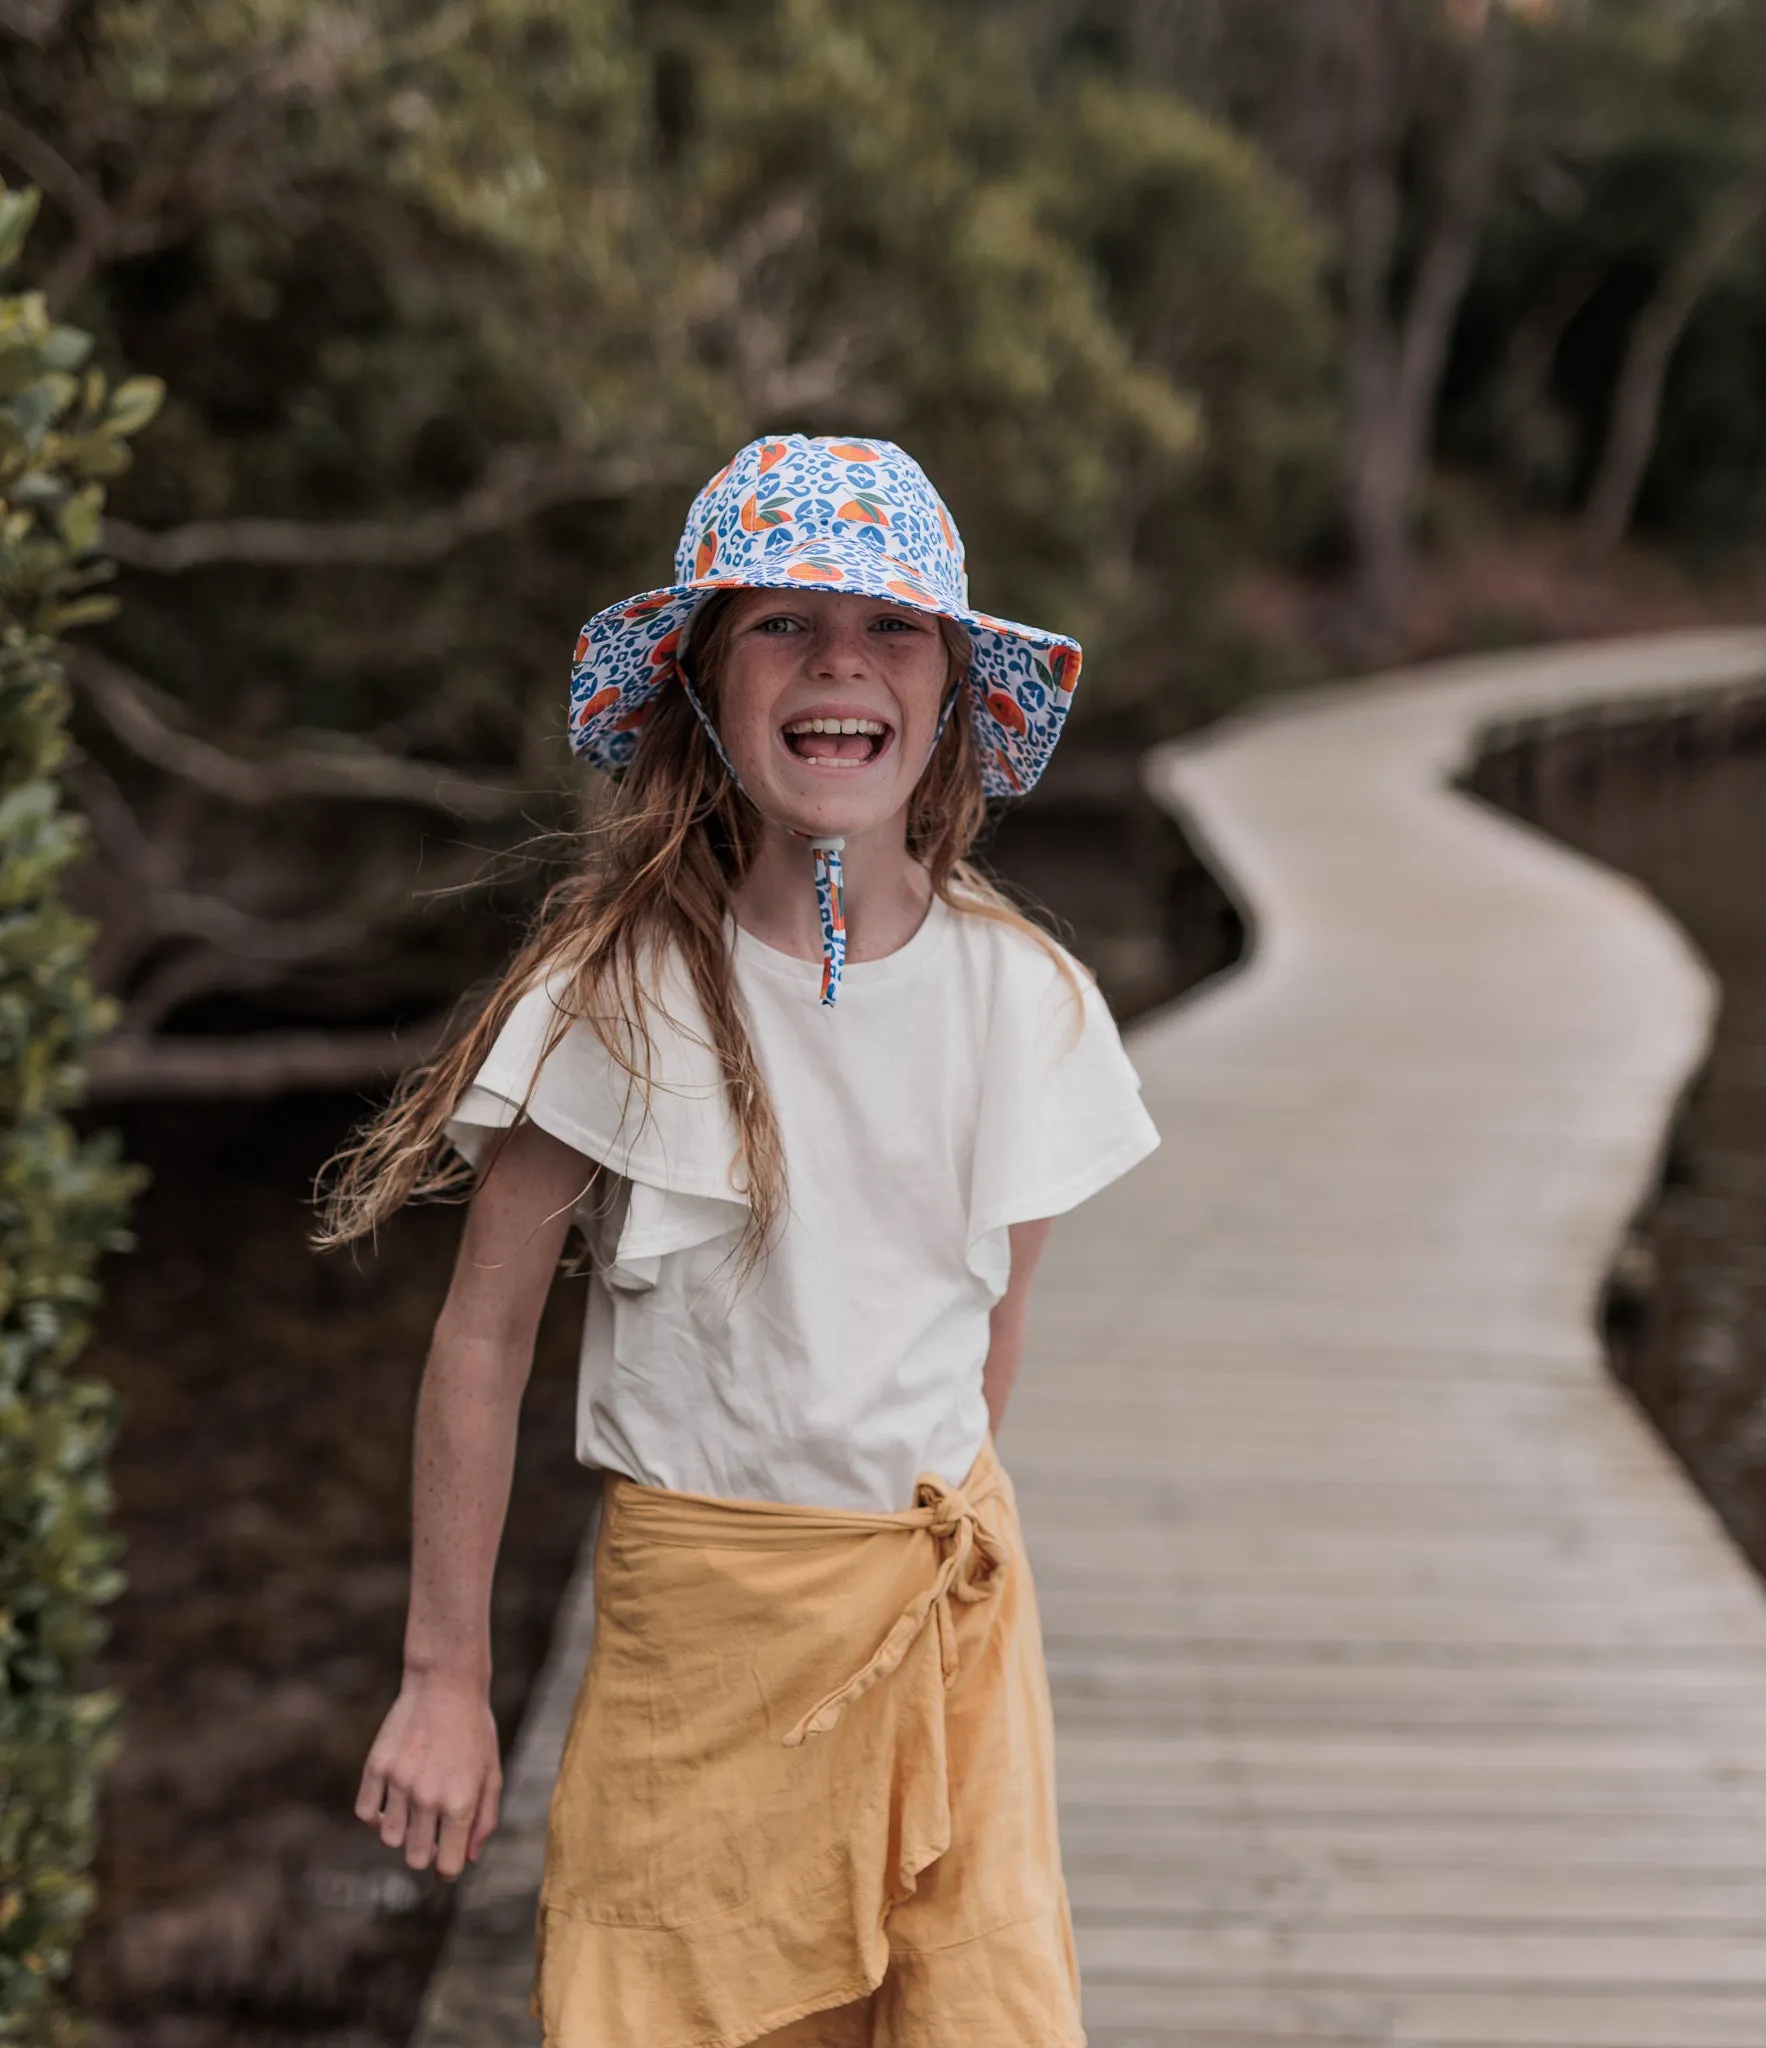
957 1087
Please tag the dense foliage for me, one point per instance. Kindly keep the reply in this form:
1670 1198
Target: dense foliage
1626 209
1631 227
457 309
62 1199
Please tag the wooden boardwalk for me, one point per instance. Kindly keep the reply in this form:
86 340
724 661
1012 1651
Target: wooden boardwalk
1406 1691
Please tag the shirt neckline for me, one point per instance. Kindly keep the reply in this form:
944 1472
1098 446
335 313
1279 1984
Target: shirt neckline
807 974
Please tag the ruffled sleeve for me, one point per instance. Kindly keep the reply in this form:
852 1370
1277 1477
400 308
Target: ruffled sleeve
1060 1114
673 1147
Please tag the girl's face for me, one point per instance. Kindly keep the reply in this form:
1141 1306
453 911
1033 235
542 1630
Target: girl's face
828 704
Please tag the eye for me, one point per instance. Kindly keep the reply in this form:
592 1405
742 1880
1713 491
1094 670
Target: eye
777 623
896 622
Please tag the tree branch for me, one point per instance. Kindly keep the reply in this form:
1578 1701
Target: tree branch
1396 359
1524 378
1637 400
115 828
187 977
34 20
519 483
221 948
1467 185
46 167
100 231
345 770
131 1066
259 942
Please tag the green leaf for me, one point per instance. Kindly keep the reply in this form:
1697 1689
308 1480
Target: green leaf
33 409
17 211
37 487
133 404
84 611
65 348
88 455
21 364
81 519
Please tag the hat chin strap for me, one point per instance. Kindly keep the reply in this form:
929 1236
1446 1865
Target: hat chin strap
831 909
825 848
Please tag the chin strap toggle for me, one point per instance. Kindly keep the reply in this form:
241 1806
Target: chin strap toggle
831 909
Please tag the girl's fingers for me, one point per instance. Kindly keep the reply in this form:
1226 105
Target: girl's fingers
484 1821
394 1817
371 1794
420 1837
451 1842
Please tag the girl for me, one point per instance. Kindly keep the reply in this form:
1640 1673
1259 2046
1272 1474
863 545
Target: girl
812 1136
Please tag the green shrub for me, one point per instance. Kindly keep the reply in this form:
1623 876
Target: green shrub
63 1198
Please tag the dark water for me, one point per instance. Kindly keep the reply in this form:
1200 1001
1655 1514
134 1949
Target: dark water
1680 804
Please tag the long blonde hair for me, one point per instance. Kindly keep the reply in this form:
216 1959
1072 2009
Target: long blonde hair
655 878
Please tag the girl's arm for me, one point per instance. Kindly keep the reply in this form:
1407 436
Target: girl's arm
1005 1344
432 1780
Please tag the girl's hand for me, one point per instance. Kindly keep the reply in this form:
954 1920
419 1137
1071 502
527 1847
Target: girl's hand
433 1779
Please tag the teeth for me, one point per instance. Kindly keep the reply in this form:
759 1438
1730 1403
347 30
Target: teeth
868 726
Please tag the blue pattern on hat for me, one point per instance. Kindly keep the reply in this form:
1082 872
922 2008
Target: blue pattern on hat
830 874
855 516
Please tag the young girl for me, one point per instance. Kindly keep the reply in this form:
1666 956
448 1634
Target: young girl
811 1089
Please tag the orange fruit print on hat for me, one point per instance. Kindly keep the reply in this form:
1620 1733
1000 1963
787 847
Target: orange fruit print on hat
837 513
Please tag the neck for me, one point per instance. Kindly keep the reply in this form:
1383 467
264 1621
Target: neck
887 893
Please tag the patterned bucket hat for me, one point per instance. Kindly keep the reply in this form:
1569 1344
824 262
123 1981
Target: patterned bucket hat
854 516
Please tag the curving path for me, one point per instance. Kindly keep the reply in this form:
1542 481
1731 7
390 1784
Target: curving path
1406 1690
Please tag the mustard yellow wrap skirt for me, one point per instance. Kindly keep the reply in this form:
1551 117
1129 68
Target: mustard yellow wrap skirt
810 1772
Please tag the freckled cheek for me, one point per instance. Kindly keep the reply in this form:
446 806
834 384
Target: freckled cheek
920 697
750 697
751 743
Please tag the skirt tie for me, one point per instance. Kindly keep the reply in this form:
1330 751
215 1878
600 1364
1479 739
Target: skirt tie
970 1561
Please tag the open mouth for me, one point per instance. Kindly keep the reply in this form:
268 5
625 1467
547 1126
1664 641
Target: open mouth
837 742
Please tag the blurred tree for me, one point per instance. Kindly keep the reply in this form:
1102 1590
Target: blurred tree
458 307
63 1198
1706 127
1212 269
1390 114
1567 191
1402 300
1636 176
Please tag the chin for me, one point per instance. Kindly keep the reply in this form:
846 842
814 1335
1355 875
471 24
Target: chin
837 813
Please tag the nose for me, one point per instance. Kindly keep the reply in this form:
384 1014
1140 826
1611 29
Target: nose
839 651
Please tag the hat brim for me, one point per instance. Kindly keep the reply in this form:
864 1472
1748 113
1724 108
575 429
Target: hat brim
1021 678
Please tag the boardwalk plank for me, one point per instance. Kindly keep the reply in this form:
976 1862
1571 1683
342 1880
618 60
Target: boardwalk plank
1416 1890
1404 1955
1336 2015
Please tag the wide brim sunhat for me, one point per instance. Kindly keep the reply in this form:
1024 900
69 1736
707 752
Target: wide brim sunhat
857 517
